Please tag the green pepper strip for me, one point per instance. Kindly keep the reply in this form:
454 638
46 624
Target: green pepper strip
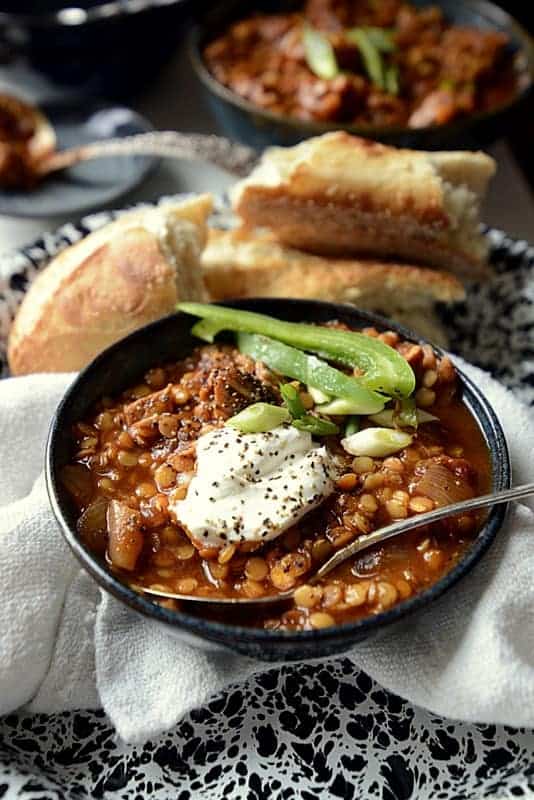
292 400
385 370
308 369
370 54
319 53
206 330
315 425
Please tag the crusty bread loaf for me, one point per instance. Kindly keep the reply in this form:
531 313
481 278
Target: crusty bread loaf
118 278
241 264
342 195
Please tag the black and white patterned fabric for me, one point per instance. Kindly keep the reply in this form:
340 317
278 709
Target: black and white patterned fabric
299 732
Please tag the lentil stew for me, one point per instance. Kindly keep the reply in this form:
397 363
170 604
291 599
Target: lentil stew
135 456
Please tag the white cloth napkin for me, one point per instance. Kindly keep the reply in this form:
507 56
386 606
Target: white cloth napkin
66 645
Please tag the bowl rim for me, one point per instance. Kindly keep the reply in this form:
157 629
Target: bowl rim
196 40
226 633
73 16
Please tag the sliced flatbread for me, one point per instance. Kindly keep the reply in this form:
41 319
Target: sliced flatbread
344 196
241 264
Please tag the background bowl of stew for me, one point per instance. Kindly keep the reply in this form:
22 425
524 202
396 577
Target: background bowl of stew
243 120
123 365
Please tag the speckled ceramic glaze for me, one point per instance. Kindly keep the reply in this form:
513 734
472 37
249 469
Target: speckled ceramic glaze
124 364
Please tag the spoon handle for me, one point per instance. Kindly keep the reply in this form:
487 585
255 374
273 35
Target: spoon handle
235 158
396 528
362 544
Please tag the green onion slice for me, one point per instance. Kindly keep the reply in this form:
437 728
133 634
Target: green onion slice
389 419
407 413
382 38
352 426
259 418
371 57
315 425
319 53
376 442
391 78
292 400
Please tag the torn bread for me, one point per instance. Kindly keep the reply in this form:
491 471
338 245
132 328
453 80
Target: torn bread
118 278
239 264
342 195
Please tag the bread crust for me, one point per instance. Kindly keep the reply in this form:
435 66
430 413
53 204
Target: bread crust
339 230
239 264
343 195
243 264
113 281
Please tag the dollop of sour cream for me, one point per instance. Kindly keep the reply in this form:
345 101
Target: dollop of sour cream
252 487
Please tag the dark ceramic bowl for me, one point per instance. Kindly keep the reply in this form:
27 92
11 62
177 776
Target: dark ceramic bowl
103 48
242 120
124 363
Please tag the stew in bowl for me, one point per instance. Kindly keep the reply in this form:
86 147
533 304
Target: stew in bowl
238 466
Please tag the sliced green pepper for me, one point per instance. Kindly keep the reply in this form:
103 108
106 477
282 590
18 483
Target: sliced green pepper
259 418
206 330
338 406
319 53
376 442
309 369
385 370
292 400
315 425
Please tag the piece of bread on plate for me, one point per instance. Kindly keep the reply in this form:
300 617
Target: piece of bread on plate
342 195
242 264
118 278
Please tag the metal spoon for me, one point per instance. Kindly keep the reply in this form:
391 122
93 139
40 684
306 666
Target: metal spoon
362 543
235 158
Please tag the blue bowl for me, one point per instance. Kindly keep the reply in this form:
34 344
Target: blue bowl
124 363
242 120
